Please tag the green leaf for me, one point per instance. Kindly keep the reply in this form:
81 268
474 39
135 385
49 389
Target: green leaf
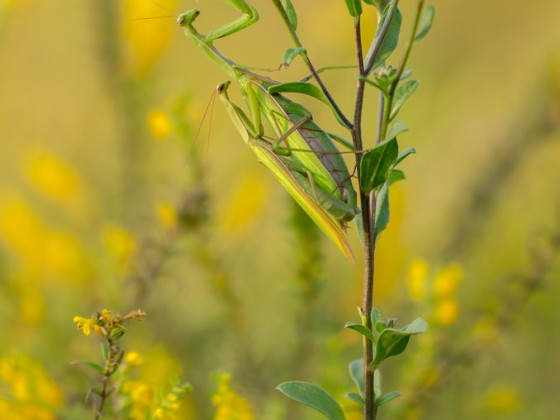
425 22
418 326
357 398
383 399
305 89
379 4
341 140
393 342
376 164
313 396
291 12
354 7
356 369
396 129
289 55
407 152
390 41
362 329
382 209
396 175
92 365
382 212
405 74
375 83
402 93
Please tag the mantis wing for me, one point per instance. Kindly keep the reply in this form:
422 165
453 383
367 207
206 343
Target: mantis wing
327 223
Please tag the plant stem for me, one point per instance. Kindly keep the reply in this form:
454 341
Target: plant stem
110 367
400 70
368 210
309 64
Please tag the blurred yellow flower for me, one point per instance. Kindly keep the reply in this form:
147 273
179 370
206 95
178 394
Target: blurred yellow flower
416 279
120 244
133 358
33 392
229 405
145 40
447 280
105 315
21 230
52 177
40 249
160 124
141 396
167 215
244 203
446 311
503 399
64 255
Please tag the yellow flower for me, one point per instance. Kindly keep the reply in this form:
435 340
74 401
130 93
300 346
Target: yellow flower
229 405
84 324
120 244
159 123
416 280
133 358
503 399
33 392
167 215
447 311
105 315
447 280
22 231
52 177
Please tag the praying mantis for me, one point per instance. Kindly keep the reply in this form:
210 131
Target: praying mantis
303 158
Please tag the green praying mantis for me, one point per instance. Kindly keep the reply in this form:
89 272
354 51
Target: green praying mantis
303 158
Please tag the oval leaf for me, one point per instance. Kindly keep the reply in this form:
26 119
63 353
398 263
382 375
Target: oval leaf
376 164
356 369
382 211
402 93
289 55
390 41
383 399
408 151
313 396
396 129
291 13
357 398
425 22
361 329
393 342
92 365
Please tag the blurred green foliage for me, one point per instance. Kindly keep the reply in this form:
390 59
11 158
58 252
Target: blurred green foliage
108 199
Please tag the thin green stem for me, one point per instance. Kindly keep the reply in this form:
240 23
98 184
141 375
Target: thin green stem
406 55
400 70
309 64
368 210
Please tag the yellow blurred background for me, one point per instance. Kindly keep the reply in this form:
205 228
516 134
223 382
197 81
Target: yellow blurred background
111 197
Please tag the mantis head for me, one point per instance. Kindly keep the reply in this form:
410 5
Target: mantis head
188 17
